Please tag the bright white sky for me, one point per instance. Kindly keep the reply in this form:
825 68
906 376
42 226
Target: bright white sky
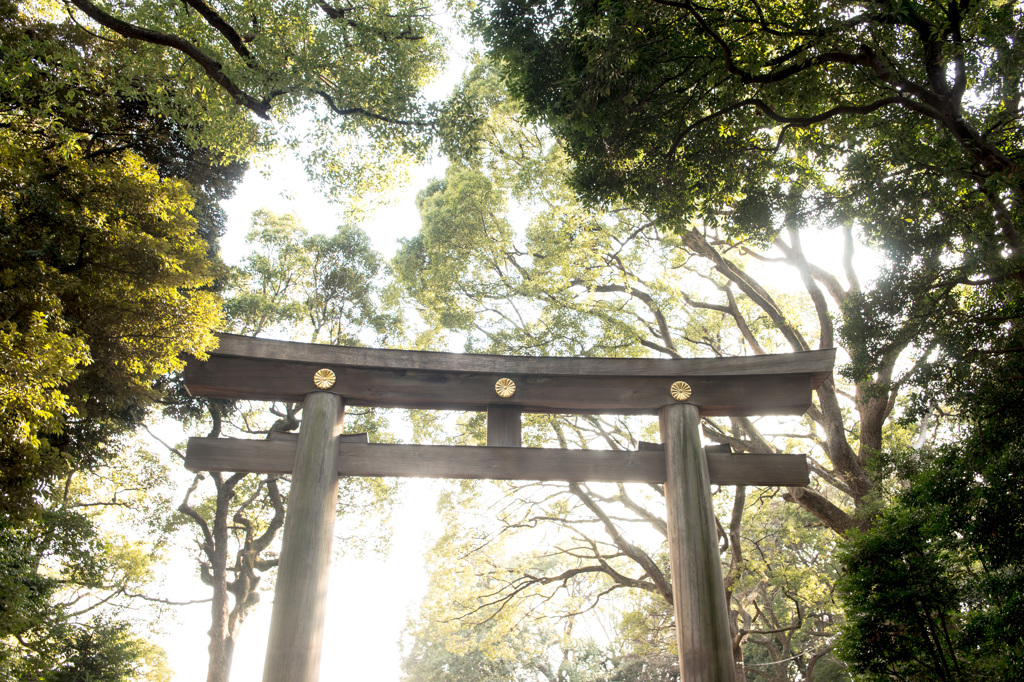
369 598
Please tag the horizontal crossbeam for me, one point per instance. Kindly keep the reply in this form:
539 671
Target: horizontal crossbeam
501 463
261 369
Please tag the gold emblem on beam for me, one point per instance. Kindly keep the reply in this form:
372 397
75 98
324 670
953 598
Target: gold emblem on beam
324 378
505 388
680 391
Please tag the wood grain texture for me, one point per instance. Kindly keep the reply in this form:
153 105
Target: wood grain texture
293 437
358 458
296 623
505 425
286 380
274 456
500 463
702 612
819 363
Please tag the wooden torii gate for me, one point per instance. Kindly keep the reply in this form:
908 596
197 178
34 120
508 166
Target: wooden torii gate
327 378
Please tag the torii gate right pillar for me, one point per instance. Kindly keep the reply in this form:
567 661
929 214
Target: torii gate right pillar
701 609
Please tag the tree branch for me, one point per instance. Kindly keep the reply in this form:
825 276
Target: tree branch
224 28
213 68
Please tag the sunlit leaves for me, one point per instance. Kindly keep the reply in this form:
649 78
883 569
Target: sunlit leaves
328 287
104 289
352 75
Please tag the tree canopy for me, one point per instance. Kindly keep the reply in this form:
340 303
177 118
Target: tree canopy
902 119
104 286
237 80
625 276
738 127
688 106
566 279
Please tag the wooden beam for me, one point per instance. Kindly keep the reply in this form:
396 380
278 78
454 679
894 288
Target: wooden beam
261 369
285 380
500 463
274 456
292 437
358 458
717 448
505 425
819 363
701 607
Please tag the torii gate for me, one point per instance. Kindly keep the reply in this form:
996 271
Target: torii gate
326 378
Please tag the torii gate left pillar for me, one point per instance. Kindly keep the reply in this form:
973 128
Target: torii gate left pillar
296 625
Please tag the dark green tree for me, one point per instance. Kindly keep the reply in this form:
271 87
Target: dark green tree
104 286
901 120
934 590
108 230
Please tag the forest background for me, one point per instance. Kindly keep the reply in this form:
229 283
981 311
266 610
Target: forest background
623 179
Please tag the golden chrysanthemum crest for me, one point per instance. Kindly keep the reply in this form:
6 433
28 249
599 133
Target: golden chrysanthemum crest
680 391
324 378
505 387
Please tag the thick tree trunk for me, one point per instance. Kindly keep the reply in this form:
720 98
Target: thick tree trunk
222 652
222 641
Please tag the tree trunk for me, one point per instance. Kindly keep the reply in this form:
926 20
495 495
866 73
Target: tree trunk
222 640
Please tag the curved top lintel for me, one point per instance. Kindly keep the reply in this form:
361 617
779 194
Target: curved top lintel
818 364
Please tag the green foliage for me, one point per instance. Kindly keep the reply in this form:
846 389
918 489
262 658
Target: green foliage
110 223
688 108
107 222
784 588
95 651
464 235
934 589
482 620
902 120
234 79
103 290
511 258
57 569
329 287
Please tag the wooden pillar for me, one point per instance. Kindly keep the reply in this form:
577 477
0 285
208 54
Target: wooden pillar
296 624
702 613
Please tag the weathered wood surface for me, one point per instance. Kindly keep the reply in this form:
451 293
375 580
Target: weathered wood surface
261 369
701 609
505 425
717 448
359 458
500 463
296 623
292 437
746 395
818 363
